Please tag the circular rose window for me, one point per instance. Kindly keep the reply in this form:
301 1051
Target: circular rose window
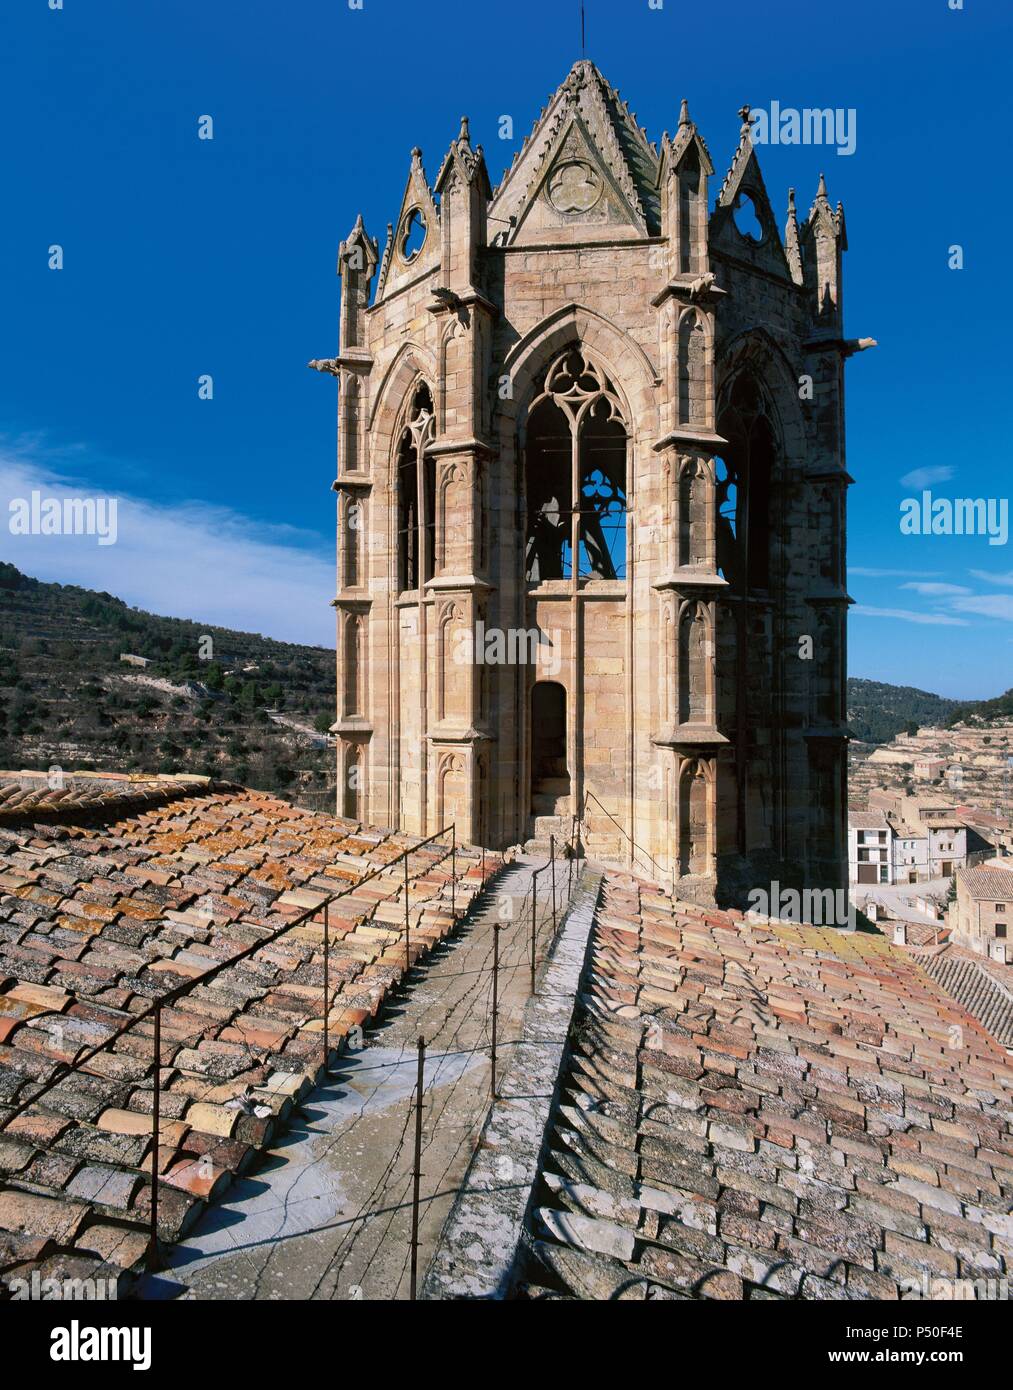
412 234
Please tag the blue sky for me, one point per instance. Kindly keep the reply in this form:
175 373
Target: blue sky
185 257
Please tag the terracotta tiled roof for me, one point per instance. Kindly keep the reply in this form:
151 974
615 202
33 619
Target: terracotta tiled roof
867 820
994 884
757 1111
97 920
925 933
904 831
30 796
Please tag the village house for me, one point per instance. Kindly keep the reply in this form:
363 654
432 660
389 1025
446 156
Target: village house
870 848
984 909
928 769
910 853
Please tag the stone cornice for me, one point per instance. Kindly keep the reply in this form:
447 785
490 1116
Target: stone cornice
831 594
830 473
691 579
352 726
707 439
461 446
455 734
689 736
444 583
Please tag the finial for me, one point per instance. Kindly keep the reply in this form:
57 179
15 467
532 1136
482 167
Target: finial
465 134
791 202
744 116
417 155
821 192
684 114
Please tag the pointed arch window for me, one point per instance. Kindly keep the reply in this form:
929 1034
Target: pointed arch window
575 474
416 493
743 475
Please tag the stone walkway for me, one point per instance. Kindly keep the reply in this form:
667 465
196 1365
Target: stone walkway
327 1214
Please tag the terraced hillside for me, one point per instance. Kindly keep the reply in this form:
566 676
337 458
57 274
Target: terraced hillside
206 700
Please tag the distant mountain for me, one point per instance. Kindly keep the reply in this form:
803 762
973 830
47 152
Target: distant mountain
254 712
241 707
984 711
877 712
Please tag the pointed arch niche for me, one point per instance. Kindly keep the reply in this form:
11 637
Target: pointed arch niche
694 667
695 540
695 817
416 493
744 476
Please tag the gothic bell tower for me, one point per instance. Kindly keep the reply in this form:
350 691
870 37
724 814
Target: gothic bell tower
591 506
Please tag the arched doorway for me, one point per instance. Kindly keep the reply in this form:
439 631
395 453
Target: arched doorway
550 776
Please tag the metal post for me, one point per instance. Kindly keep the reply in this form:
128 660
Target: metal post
495 999
453 871
327 978
534 924
483 866
417 1173
552 875
572 857
156 1101
407 924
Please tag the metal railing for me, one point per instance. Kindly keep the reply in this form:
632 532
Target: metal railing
573 844
638 849
154 1010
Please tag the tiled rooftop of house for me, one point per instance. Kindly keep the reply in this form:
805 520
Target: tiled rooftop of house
988 882
116 893
867 820
762 1110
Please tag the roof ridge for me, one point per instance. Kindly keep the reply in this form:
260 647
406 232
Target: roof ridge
67 803
587 94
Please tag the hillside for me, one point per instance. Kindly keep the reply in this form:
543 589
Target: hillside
984 711
877 713
238 706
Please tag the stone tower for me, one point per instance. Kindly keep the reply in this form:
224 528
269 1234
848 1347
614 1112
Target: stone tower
591 506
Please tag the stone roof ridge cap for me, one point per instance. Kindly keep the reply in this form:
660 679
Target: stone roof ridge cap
742 152
585 93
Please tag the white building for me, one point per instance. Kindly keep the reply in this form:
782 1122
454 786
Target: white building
870 857
947 845
910 853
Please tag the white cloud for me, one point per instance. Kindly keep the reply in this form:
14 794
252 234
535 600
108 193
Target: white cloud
867 573
1002 580
924 477
905 615
937 590
988 605
191 560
